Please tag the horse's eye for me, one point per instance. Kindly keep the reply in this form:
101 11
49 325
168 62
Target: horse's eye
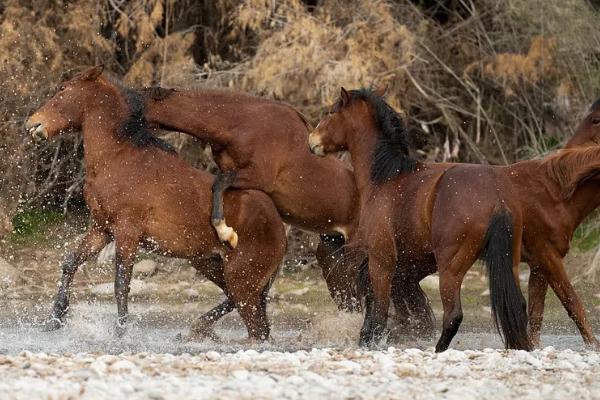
61 88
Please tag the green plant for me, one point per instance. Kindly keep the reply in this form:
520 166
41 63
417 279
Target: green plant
34 222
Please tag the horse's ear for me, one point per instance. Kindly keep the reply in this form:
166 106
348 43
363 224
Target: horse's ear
381 91
344 96
93 73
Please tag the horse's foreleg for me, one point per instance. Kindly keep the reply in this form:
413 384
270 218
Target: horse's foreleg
556 276
226 233
125 251
538 287
381 271
91 244
249 277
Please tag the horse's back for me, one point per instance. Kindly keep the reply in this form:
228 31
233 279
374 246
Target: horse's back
468 195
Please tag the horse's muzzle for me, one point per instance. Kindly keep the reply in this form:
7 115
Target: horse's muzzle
36 130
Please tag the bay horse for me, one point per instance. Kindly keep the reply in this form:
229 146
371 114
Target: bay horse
140 192
425 217
261 144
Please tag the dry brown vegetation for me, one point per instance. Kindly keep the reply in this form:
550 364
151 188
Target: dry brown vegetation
491 81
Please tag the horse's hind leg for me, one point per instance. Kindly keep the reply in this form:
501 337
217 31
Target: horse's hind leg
453 263
91 244
340 278
248 284
538 286
226 233
251 305
421 311
450 294
413 309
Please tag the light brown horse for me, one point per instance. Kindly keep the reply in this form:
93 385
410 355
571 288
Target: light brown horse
425 217
140 192
587 134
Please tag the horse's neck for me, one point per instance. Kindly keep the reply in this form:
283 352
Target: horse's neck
362 147
100 142
584 200
207 116
572 168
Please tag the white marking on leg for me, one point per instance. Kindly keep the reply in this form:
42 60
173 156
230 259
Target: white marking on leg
226 233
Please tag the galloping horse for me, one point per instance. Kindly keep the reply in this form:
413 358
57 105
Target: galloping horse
140 192
261 144
425 217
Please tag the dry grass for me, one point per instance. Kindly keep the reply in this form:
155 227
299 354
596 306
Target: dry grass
491 81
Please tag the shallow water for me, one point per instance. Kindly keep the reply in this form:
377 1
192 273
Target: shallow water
154 327
312 354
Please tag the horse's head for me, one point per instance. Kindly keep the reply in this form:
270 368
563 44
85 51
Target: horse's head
588 131
332 132
65 110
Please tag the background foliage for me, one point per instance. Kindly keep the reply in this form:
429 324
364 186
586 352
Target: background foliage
489 81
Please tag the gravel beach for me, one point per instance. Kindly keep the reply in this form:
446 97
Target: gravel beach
317 373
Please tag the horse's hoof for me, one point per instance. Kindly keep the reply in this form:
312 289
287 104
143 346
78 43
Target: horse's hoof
252 341
192 336
594 346
200 330
120 330
364 342
51 325
226 234
440 348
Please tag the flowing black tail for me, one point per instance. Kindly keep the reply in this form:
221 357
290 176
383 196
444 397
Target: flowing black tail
507 301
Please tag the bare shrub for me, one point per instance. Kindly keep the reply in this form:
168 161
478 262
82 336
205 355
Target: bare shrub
488 81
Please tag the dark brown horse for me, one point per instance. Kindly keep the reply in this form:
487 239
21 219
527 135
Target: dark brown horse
424 217
140 192
261 144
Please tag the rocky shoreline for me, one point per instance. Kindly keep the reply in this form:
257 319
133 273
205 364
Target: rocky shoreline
317 373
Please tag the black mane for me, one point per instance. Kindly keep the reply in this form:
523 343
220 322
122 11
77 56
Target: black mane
391 156
134 128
